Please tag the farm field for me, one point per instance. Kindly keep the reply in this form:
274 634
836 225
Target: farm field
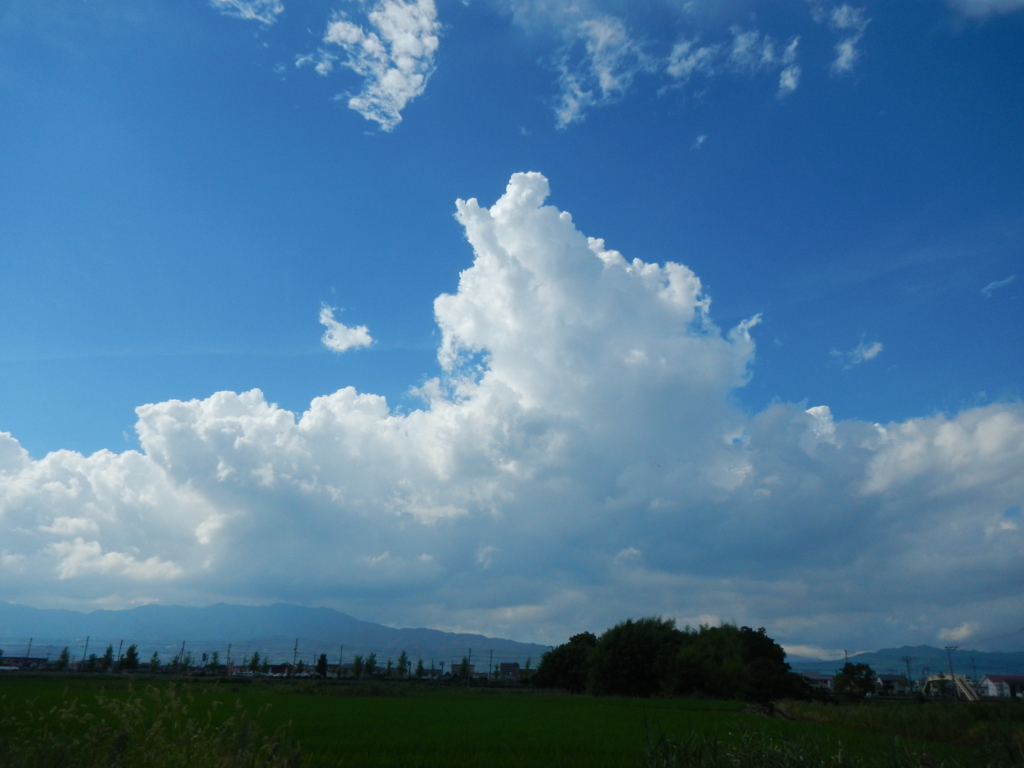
400 725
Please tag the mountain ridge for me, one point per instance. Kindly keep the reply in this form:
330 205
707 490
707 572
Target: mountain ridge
271 629
922 657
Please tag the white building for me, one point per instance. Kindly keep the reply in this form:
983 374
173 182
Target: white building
1003 685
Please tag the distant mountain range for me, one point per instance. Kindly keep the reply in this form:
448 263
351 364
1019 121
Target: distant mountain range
924 659
271 629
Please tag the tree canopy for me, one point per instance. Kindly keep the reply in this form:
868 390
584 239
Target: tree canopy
855 680
651 656
568 665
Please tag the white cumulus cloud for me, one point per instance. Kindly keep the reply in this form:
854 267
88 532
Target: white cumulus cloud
81 557
963 632
585 415
339 337
395 56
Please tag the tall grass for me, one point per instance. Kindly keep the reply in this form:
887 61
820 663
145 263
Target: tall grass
750 748
161 729
996 730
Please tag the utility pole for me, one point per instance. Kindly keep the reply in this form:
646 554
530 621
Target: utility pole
949 655
906 660
119 646
181 656
468 667
490 665
229 658
85 653
846 653
295 655
29 652
341 656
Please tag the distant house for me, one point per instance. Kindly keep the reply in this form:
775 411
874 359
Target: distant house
1003 685
509 670
11 663
889 684
817 680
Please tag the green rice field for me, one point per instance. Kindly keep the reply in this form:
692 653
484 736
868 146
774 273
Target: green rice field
339 724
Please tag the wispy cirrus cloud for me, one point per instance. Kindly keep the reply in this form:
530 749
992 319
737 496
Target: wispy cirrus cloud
265 11
853 22
995 285
602 56
866 350
983 8
748 52
610 62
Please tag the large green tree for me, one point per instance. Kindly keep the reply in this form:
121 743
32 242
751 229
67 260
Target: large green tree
107 660
650 656
854 680
732 662
568 665
130 660
632 658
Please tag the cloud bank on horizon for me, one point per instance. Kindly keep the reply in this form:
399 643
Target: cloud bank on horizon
580 460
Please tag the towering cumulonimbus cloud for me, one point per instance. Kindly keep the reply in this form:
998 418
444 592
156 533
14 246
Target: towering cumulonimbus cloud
580 459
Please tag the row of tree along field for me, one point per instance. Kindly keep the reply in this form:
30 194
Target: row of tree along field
644 657
184 662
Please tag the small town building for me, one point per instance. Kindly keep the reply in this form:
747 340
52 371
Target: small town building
817 680
12 663
1003 686
892 685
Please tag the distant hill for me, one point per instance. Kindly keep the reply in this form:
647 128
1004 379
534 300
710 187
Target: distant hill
270 629
922 657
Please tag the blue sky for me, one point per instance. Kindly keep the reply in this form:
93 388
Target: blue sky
186 186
